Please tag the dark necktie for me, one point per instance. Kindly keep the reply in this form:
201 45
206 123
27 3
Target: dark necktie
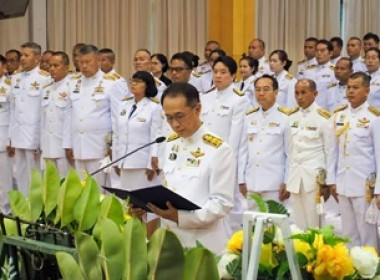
132 111
242 85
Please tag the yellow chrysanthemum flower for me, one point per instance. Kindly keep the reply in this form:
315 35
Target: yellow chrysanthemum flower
333 262
235 244
303 247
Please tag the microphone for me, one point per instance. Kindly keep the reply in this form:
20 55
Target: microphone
158 140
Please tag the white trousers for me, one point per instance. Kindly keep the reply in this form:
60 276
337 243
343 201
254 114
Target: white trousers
25 160
5 181
303 205
353 211
134 179
91 165
61 163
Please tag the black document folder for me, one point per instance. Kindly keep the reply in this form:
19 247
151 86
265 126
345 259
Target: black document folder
157 195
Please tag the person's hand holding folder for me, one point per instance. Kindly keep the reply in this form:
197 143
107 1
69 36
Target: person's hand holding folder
170 214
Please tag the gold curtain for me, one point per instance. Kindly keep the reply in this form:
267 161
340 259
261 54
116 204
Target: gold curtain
165 26
362 16
286 24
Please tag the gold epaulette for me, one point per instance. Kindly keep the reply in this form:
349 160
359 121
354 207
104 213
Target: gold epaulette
238 92
117 75
8 81
293 110
332 85
266 61
289 76
127 98
340 108
76 76
109 77
211 89
324 113
252 110
43 73
172 137
204 72
18 70
374 110
212 140
154 99
332 67
158 82
284 110
311 66
71 69
301 61
48 84
196 75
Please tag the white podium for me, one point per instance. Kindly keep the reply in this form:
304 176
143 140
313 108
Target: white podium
252 247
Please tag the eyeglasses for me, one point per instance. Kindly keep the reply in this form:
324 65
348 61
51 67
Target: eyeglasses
177 69
135 81
179 117
264 89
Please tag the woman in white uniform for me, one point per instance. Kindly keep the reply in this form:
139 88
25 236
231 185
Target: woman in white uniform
279 64
248 67
138 122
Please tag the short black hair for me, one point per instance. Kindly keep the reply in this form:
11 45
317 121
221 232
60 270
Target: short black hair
87 49
147 78
375 50
370 36
312 85
366 79
326 43
182 89
34 46
163 59
213 42
253 63
311 39
355 38
65 58
337 40
108 52
17 52
350 64
184 57
227 61
2 59
273 79
48 52
261 42
283 56
220 52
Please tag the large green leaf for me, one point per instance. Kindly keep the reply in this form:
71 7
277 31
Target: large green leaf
135 245
86 209
89 258
114 253
200 264
262 206
20 206
68 266
50 187
165 256
275 207
110 208
68 195
35 195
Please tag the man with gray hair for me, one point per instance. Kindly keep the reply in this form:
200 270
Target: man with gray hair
24 132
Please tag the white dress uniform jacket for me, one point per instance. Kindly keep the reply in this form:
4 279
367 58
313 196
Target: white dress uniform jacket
354 150
202 169
359 65
247 86
223 112
304 65
135 130
263 67
263 149
376 141
206 81
323 76
196 81
26 108
5 96
309 150
55 106
374 93
204 67
92 100
337 95
286 89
